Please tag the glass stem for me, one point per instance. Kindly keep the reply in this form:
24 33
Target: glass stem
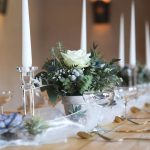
125 113
24 101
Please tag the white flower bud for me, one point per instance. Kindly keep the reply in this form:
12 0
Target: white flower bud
102 65
77 74
73 78
80 71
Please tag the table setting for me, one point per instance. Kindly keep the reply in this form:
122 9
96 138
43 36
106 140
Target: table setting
78 99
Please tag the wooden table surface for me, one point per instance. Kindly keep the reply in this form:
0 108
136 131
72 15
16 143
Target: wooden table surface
92 144
97 143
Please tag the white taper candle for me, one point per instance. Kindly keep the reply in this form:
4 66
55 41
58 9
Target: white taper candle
83 27
26 39
133 37
147 45
121 43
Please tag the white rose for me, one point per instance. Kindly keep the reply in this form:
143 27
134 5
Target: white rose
77 57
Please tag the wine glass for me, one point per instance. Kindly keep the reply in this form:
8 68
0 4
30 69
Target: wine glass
100 99
126 94
5 97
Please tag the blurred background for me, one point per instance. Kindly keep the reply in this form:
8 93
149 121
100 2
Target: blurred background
60 20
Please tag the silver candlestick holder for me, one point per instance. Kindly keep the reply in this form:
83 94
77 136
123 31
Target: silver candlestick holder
27 86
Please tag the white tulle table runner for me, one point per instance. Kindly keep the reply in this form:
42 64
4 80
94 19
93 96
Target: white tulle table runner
62 127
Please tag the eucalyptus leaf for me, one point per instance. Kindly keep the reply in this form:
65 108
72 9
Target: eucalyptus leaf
52 94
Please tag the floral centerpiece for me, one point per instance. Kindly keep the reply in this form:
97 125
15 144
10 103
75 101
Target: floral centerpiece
73 72
143 74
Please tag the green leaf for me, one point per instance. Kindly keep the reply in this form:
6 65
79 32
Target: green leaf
114 60
52 94
85 83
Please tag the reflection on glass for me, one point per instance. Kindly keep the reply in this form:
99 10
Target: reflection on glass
101 98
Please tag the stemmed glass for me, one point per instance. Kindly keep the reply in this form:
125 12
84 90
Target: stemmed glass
5 97
142 90
126 94
100 100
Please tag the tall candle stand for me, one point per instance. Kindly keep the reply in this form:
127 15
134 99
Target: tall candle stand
132 74
27 86
130 81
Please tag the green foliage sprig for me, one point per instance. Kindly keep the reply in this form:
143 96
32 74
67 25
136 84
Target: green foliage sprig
143 74
35 125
